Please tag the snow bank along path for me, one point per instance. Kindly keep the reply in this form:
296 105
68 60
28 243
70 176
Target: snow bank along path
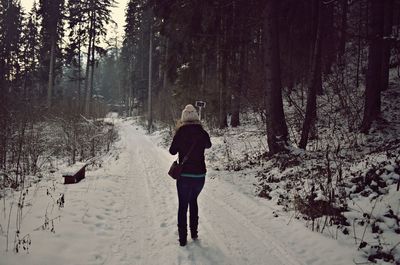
125 213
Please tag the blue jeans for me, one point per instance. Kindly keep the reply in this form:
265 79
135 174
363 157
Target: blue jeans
188 191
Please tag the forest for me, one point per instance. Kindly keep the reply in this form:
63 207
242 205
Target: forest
235 55
318 78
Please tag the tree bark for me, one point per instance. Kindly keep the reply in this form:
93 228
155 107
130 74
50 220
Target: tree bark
219 85
277 132
372 101
221 71
359 45
89 109
315 82
165 83
51 71
235 120
150 98
79 68
387 31
343 30
86 92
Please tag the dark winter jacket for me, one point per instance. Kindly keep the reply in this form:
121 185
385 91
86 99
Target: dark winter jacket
183 140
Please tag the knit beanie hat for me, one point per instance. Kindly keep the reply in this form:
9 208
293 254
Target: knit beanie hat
189 114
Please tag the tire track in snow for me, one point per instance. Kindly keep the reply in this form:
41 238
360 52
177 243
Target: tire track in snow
159 182
258 217
244 226
163 189
142 206
163 193
133 244
227 235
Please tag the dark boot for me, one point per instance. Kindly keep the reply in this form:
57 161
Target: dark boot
182 231
193 227
193 233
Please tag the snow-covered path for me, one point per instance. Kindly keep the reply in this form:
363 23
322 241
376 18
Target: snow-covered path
125 213
147 229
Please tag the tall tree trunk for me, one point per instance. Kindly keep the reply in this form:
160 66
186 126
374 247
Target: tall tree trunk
143 68
3 117
237 88
372 101
90 62
203 74
359 45
221 71
235 119
224 99
315 81
91 87
130 92
277 131
328 48
51 71
133 88
387 31
165 85
79 69
25 84
219 85
87 70
343 30
150 72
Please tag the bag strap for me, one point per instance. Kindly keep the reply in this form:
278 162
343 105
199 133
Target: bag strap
187 155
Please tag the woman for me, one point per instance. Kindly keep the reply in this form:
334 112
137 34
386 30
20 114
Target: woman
190 140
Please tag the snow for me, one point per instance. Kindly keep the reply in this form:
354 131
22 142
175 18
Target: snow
72 170
125 213
112 115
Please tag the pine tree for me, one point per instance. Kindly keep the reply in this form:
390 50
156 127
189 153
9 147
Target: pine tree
50 12
108 76
277 132
99 16
372 105
129 53
10 44
31 49
77 36
10 72
315 77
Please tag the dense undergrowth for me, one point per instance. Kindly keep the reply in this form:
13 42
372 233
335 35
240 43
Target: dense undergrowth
34 156
345 185
53 141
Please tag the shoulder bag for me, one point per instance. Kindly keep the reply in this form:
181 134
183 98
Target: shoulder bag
176 168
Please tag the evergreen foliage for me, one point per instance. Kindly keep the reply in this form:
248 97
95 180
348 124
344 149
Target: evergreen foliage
224 52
